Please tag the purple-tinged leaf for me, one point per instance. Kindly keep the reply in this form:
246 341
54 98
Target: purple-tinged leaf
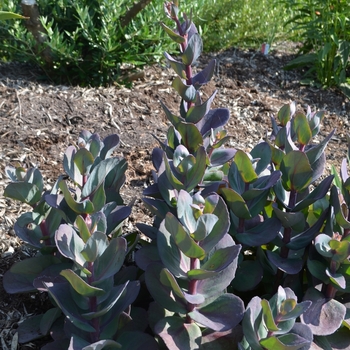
23 191
318 167
302 239
215 205
80 286
84 137
204 76
116 217
236 203
314 153
98 198
235 179
289 309
260 234
287 265
204 226
178 335
294 220
318 270
215 118
70 245
339 215
217 283
83 207
82 228
339 340
83 160
284 114
261 151
322 245
190 136
94 145
296 171
344 170
318 193
111 260
193 49
195 299
60 292
172 179
178 67
98 175
197 112
284 342
337 278
180 153
110 143
220 156
324 316
253 327
268 316
163 293
185 211
70 167
227 340
49 317
171 117
187 92
157 157
137 341
182 238
196 173
222 314
148 231
217 262
248 275
29 329
173 36
173 259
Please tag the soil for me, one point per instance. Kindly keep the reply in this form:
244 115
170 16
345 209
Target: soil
38 120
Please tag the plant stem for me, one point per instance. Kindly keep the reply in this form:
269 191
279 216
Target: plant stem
192 288
45 233
95 322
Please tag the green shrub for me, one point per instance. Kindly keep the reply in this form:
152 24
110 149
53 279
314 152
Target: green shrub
86 40
324 28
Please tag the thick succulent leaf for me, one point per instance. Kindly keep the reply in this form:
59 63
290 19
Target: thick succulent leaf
253 327
193 50
110 143
215 118
268 317
221 340
235 179
182 239
83 159
302 239
29 329
337 278
185 211
289 309
302 129
187 92
80 286
82 227
339 215
245 167
137 341
284 342
236 203
70 245
197 112
98 198
284 114
49 317
218 261
262 233
190 136
221 156
70 167
316 152
174 36
318 269
248 275
178 67
204 76
340 249
162 292
95 246
339 340
222 314
296 171
21 275
204 227
98 175
294 220
116 217
287 265
23 191
322 245
217 283
60 292
83 207
324 316
261 151
178 335
318 193
196 173
215 205
111 259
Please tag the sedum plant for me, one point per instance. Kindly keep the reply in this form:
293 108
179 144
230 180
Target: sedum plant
247 250
76 230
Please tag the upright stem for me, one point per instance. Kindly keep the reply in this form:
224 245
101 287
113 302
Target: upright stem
45 232
192 288
95 322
